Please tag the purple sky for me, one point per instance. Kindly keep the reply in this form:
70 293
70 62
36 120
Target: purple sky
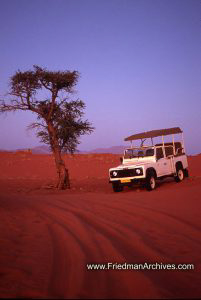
140 64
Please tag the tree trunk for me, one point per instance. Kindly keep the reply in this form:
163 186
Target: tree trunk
63 176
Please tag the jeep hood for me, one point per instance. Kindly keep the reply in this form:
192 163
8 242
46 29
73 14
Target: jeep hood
136 164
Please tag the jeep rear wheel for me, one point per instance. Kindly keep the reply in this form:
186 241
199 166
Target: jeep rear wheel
117 187
180 175
150 182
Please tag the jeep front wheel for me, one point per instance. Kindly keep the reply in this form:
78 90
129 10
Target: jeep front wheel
117 187
150 182
180 175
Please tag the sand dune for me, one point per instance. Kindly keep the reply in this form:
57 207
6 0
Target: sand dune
48 236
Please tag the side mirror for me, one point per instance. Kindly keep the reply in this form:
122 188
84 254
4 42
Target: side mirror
121 160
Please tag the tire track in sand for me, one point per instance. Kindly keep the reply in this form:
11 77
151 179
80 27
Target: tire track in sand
104 282
114 233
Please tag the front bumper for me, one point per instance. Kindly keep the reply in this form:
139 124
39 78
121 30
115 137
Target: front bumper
128 181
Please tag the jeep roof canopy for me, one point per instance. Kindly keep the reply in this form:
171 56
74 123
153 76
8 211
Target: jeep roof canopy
153 133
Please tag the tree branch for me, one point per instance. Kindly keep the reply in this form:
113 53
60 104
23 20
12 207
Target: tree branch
36 125
54 96
63 101
45 85
10 107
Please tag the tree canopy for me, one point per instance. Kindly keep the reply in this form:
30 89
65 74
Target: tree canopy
67 119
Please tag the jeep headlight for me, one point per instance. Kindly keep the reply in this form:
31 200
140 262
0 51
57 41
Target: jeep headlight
139 171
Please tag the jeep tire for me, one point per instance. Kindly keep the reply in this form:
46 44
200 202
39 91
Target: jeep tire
117 187
150 181
179 175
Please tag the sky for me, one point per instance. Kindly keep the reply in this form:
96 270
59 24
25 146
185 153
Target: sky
139 63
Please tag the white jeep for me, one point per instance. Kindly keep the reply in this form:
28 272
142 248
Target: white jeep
146 164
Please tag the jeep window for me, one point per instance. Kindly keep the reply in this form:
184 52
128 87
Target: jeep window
149 152
179 151
140 152
159 153
169 150
129 153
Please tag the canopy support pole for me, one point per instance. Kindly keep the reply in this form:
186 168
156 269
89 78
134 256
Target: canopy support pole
183 146
173 144
163 145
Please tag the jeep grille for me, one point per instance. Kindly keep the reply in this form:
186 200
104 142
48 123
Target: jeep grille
126 173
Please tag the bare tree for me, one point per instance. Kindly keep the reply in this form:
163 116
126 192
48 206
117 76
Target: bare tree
59 121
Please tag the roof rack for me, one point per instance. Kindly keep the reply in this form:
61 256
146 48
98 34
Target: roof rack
154 133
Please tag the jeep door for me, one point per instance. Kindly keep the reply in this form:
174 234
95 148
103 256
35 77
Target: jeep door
163 163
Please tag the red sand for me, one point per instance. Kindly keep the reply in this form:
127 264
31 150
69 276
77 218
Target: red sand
47 237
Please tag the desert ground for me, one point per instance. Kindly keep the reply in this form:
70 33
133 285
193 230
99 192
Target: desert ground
47 236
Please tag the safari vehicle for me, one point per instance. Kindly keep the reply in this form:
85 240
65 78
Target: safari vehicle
147 164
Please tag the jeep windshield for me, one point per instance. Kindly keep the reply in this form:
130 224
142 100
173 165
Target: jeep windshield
139 152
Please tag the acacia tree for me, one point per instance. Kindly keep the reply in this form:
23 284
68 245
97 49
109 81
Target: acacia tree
59 120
